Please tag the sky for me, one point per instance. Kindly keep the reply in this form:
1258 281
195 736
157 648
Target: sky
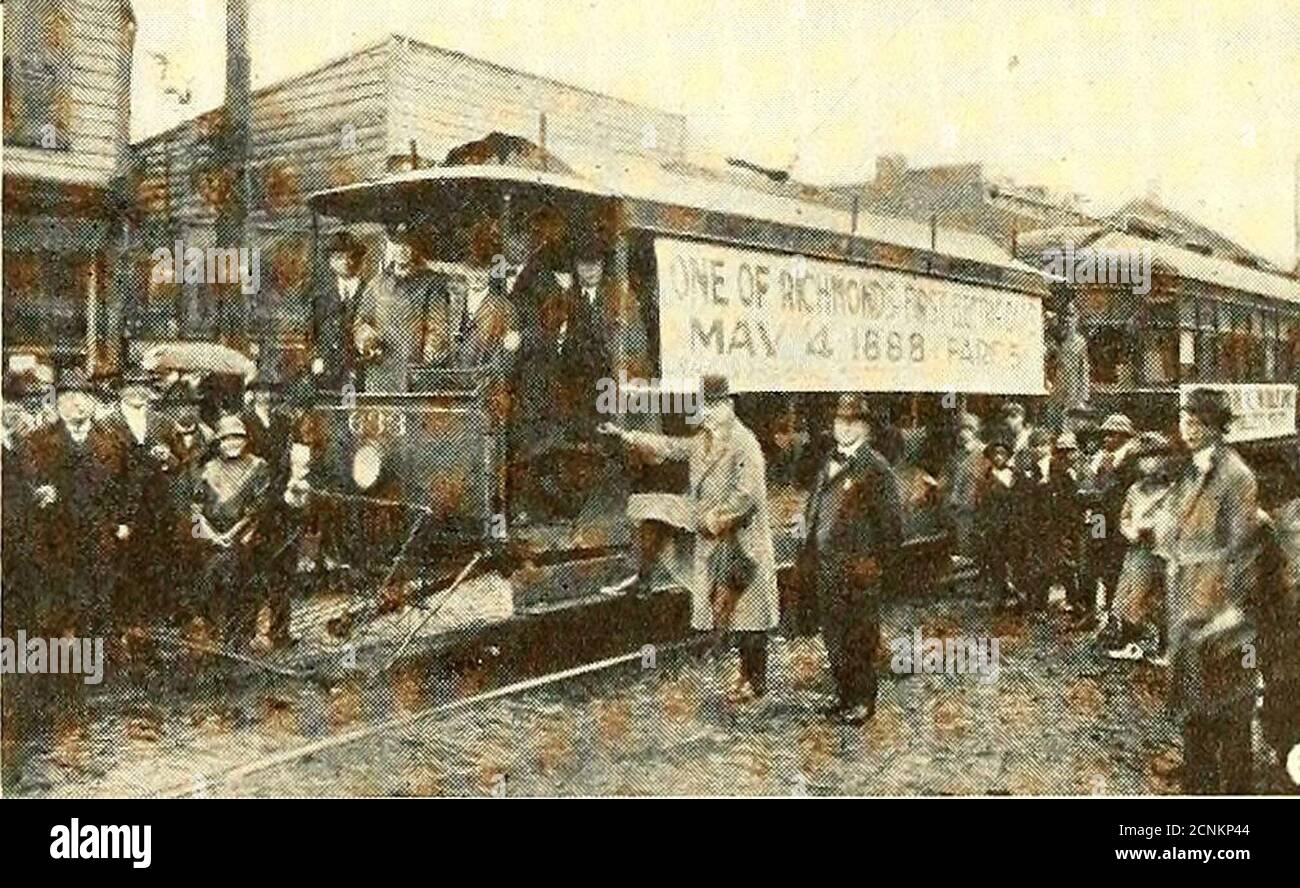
1196 101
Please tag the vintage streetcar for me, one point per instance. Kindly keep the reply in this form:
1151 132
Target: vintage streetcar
701 273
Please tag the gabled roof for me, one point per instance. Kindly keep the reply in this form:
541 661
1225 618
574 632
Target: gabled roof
1152 211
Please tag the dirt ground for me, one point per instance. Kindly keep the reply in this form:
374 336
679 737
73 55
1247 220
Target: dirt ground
1057 717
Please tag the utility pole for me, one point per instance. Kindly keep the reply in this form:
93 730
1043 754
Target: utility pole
234 309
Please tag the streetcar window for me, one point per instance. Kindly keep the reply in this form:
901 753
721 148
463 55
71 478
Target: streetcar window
1160 356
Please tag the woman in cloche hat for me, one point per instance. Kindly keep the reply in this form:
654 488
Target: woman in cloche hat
1140 590
227 500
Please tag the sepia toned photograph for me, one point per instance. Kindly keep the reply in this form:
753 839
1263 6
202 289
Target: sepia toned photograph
508 398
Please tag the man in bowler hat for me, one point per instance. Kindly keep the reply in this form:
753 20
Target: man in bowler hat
335 362
854 527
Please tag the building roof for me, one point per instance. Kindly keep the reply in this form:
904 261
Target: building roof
389 42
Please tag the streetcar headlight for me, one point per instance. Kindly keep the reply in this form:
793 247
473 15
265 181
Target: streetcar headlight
366 463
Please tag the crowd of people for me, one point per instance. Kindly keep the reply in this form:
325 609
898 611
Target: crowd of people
121 517
1157 545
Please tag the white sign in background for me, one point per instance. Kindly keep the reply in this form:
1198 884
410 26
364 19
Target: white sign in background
773 322
1260 410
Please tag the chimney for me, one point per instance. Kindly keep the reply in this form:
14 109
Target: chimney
890 169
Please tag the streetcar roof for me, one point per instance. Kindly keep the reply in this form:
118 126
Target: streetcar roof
1183 262
675 197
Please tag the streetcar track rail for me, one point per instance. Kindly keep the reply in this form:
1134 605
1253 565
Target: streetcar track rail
203 783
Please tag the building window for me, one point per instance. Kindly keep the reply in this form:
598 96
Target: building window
1110 350
45 299
1160 356
37 61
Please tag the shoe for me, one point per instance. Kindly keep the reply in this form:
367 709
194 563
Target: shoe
1130 651
831 710
857 715
740 693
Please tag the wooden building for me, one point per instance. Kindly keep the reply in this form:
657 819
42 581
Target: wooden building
67 85
386 106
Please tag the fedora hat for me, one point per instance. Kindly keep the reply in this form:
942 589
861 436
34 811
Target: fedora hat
345 242
714 387
1117 424
851 406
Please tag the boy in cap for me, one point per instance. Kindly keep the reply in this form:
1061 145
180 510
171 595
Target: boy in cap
965 468
854 527
995 500
1141 586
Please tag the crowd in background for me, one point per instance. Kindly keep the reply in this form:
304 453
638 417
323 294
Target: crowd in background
1157 545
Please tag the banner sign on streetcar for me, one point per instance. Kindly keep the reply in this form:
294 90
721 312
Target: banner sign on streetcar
774 322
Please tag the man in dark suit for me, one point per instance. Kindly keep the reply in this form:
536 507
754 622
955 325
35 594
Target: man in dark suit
334 314
136 431
854 527
1035 511
16 514
568 349
486 335
189 442
270 432
404 318
74 467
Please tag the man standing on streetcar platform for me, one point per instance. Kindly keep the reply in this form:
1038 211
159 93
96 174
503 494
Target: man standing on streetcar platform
335 354
404 319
